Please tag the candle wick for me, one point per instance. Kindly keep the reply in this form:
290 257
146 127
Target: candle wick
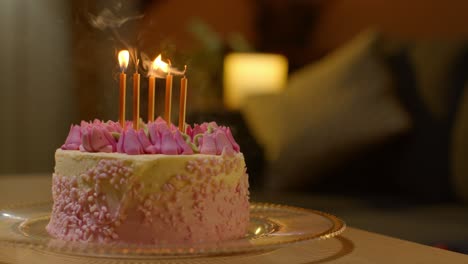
136 65
185 70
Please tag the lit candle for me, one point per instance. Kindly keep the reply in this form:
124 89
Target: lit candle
168 101
123 62
158 64
136 97
183 102
151 88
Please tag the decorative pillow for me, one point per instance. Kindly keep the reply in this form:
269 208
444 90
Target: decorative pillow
431 76
329 111
460 149
432 61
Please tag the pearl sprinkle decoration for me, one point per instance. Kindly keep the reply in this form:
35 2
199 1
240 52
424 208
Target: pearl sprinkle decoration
83 213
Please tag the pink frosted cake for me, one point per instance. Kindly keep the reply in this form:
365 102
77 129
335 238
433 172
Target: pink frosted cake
155 185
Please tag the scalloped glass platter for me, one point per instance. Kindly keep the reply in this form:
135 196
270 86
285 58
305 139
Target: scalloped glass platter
271 226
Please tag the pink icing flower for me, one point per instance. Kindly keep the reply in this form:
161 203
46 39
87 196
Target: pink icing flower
200 129
95 122
73 140
218 141
128 124
164 135
129 143
96 138
222 142
229 136
183 146
161 137
146 144
84 124
112 126
189 131
166 141
154 136
207 144
168 144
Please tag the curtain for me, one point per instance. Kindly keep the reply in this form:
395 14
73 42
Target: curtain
36 87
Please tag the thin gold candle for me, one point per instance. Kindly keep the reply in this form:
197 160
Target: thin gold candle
183 102
123 62
136 98
157 63
151 88
168 101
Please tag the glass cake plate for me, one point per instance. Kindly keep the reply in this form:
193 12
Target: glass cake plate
271 226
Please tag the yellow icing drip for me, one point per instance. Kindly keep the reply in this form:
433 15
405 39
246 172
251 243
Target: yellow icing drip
153 171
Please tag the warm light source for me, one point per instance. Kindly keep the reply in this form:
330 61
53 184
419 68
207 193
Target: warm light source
159 64
258 230
252 73
124 57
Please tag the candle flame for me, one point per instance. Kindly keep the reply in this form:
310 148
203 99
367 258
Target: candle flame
159 64
124 57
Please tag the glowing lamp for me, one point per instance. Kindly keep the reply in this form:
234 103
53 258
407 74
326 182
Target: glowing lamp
252 73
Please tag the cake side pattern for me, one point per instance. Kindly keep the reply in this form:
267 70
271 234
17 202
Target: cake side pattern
197 205
83 213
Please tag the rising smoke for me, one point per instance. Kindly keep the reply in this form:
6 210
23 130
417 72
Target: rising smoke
108 20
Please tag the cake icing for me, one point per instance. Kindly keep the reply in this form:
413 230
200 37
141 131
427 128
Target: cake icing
155 185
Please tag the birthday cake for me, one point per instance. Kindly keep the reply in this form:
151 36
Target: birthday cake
151 185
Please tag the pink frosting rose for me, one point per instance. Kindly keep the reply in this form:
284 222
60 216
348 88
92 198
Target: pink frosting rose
146 143
183 146
200 129
207 144
113 126
227 132
95 122
96 138
129 143
166 141
154 137
73 140
218 141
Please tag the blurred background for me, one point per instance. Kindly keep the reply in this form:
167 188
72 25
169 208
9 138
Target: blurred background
358 108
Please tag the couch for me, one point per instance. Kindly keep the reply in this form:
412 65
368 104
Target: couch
374 132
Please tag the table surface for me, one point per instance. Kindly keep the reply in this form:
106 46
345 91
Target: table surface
353 246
